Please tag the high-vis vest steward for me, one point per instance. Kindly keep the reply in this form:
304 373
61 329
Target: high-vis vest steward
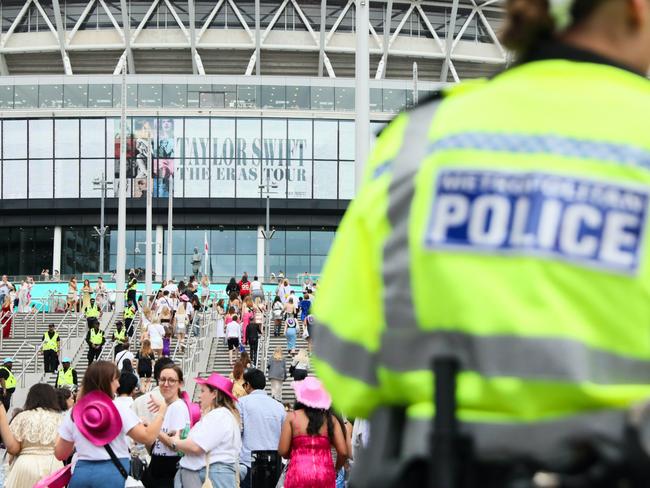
50 343
503 224
120 335
92 311
65 378
10 382
96 338
129 313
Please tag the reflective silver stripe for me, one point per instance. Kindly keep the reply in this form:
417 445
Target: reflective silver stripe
551 442
396 275
542 358
347 358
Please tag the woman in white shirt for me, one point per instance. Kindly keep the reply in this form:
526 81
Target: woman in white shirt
215 440
164 459
94 468
233 333
181 324
256 289
156 334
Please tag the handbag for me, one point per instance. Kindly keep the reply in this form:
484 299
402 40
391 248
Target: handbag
207 483
129 481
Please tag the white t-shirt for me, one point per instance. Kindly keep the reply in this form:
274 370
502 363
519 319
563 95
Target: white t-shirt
233 329
125 401
121 356
218 434
87 451
176 419
256 285
156 333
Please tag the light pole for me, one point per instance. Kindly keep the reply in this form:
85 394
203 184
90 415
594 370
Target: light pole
268 233
148 257
120 277
101 184
170 218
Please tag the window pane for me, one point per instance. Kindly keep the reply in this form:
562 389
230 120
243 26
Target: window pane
6 96
300 165
194 239
223 265
296 265
40 138
321 241
298 97
297 242
66 138
274 157
346 139
248 96
248 157
344 99
325 145
92 138
394 100
100 96
222 174
278 243
193 94
245 263
317 264
131 96
14 139
273 96
227 95
14 179
66 178
149 96
346 180
375 99
196 164
75 96
26 96
246 241
322 98
174 95
91 169
40 181
325 184
50 96
222 242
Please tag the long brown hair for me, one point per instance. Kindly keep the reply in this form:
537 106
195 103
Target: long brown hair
99 376
223 400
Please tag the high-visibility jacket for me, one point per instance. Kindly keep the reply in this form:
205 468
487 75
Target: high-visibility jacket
129 313
96 338
65 377
120 335
503 224
51 343
10 382
92 311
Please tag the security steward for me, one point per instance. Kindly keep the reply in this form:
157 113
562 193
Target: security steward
66 376
131 291
95 340
129 314
522 203
7 382
92 312
119 337
50 348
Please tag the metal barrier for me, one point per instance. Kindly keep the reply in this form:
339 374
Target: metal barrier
4 322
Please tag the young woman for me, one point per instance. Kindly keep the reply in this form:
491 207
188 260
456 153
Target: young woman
238 379
86 291
277 309
181 324
277 373
257 291
164 458
232 288
205 289
31 436
145 357
233 333
221 314
145 321
5 316
215 438
291 333
300 365
71 299
246 316
156 334
94 468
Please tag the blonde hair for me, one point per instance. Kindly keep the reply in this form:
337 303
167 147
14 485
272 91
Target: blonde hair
181 309
277 353
302 356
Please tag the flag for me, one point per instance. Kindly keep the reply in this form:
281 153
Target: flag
206 251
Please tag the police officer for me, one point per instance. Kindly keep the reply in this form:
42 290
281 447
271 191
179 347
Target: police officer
95 340
119 337
50 347
92 312
131 290
7 382
129 314
66 376
504 224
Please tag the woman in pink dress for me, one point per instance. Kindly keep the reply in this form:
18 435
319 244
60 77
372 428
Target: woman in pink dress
5 317
307 437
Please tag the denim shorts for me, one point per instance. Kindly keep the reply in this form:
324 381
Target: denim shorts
98 474
222 476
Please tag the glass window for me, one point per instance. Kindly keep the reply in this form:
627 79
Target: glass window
346 139
14 139
278 243
297 242
344 99
6 96
227 93
298 97
92 138
100 96
274 156
193 94
322 98
174 95
223 265
248 158
296 265
325 144
375 99
321 241
91 169
26 96
178 265
222 142
131 96
66 178
40 138
149 95
222 241
393 100
246 241
196 162
50 96
14 179
278 264
248 96
346 180
75 96
66 138
40 179
273 96
194 239
317 264
245 263
300 139
325 175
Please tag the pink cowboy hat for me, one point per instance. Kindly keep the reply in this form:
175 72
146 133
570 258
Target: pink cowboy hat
311 393
221 383
194 408
184 298
97 418
59 479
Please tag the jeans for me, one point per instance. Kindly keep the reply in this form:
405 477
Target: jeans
98 474
291 338
222 476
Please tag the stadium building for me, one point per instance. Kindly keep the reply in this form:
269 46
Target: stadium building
232 100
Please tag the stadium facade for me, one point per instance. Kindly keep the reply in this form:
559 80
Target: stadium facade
220 133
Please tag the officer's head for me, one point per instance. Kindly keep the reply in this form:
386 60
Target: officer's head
50 326
119 325
95 324
622 26
92 301
8 363
66 363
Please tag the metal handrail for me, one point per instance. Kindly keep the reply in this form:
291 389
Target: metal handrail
267 336
7 322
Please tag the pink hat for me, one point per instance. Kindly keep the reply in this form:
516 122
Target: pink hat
97 418
184 298
215 380
194 408
311 393
59 479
